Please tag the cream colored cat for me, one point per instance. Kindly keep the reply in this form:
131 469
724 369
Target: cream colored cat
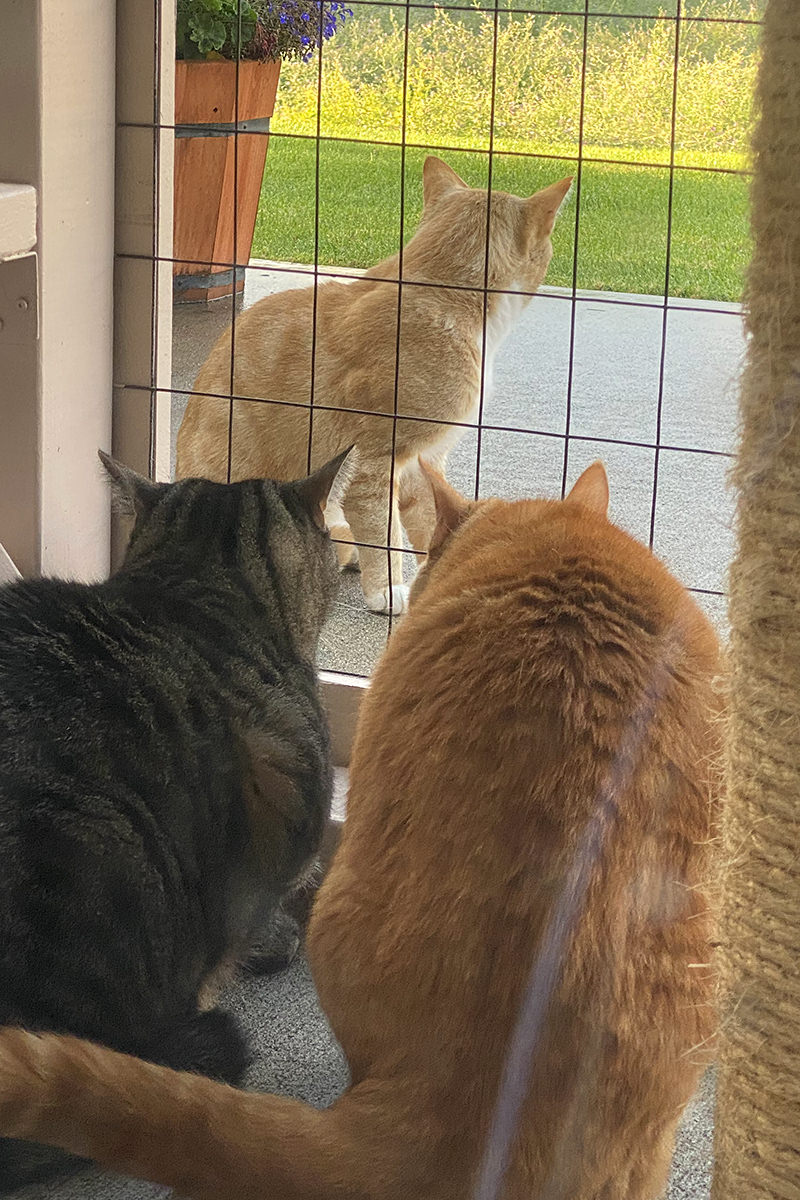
355 342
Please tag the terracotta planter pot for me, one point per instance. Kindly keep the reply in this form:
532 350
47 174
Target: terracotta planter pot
208 170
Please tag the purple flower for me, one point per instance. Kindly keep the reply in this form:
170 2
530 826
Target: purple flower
300 26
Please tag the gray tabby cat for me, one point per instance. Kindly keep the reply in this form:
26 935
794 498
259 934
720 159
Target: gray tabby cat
164 773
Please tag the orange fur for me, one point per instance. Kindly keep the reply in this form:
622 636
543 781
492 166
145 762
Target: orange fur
535 781
355 343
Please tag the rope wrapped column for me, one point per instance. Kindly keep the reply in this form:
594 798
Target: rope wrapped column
757 1145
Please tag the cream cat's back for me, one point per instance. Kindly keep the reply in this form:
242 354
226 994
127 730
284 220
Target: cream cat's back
272 342
353 339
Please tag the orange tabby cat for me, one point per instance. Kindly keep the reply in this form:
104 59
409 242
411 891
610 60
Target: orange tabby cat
512 943
354 345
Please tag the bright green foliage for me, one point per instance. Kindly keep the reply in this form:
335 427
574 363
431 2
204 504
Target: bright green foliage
265 30
623 223
206 27
629 82
627 117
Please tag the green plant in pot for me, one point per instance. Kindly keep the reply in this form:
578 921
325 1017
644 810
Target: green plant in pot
229 54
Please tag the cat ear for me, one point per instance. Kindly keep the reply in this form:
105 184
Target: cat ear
591 489
132 494
543 206
451 507
438 178
314 490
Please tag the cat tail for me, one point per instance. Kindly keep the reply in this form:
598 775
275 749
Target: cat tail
209 1043
206 1140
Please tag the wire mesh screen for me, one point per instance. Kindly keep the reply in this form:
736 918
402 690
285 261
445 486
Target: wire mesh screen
629 349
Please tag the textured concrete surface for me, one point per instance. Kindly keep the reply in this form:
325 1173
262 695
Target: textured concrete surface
615 395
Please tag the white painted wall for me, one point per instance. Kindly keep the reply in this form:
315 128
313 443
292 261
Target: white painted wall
76 254
57 94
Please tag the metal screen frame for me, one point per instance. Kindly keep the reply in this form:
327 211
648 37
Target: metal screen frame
143 388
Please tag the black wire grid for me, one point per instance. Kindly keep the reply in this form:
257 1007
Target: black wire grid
679 19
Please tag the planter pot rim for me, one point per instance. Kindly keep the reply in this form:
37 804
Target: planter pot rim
220 62
206 91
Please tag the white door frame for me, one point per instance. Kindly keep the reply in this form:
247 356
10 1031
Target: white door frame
143 279
57 137
143 234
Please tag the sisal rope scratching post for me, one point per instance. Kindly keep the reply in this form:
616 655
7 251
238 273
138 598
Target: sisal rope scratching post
757 1147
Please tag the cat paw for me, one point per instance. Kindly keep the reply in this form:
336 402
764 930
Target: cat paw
277 948
379 602
346 552
347 556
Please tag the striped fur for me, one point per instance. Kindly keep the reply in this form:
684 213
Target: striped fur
164 771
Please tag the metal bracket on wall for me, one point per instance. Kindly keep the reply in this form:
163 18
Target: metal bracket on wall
223 128
19 307
185 283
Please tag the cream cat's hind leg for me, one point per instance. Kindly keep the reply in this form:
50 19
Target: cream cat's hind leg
415 500
342 536
366 510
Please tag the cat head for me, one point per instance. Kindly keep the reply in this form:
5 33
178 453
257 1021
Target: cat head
453 511
452 233
270 534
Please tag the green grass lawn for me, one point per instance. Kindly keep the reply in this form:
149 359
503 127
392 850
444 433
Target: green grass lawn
622 229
